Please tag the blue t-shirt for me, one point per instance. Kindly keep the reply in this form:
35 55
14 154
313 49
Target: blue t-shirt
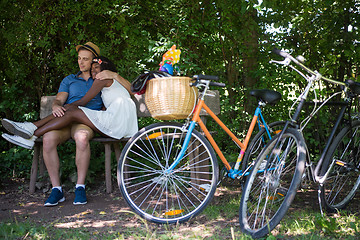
77 87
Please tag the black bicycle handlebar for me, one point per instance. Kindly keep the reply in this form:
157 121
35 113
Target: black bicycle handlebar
217 84
209 77
206 77
354 86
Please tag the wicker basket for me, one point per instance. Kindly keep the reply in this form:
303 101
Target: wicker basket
170 98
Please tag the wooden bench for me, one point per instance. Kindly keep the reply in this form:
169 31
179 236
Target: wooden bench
45 109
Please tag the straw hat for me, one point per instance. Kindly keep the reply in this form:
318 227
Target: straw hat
91 47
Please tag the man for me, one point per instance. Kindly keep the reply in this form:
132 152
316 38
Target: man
72 88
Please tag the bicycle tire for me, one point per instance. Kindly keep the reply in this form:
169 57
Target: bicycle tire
343 179
167 197
273 186
258 143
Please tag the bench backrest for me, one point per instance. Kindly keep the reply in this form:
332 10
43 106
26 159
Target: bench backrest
213 103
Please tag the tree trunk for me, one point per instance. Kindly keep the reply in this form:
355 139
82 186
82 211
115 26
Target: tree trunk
250 57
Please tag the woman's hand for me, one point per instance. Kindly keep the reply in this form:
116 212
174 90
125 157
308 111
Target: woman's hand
106 74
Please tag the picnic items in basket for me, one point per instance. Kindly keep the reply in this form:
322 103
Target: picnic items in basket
166 97
138 86
170 98
171 57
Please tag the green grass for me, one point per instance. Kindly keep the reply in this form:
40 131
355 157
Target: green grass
302 225
218 221
310 225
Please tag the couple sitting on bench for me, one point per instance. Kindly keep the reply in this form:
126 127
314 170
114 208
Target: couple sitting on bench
77 114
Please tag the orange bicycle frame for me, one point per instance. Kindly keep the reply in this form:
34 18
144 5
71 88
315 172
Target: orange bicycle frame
243 145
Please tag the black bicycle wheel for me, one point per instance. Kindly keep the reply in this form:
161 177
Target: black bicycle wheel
163 196
342 165
258 143
272 184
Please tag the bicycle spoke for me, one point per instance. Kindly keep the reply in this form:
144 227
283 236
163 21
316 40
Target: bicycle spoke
342 173
167 195
271 187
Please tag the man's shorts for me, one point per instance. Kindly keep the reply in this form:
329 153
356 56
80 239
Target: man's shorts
75 127
69 132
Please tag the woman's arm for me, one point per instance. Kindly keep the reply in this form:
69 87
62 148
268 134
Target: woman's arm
106 74
93 91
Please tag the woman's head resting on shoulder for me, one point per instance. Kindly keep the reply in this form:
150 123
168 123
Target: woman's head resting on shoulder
100 64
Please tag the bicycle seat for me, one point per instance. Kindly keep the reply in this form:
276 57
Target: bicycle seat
267 96
354 86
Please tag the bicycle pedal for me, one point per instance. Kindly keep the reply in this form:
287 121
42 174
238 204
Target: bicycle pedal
281 192
205 187
271 197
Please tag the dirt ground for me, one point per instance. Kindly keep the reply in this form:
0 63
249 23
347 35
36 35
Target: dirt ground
103 213
109 212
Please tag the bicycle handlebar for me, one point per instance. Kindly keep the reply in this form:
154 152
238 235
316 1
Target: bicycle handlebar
308 70
208 77
217 84
280 53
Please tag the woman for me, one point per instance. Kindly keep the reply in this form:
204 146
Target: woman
117 121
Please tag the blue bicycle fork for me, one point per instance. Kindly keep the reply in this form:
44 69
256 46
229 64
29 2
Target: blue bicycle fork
184 147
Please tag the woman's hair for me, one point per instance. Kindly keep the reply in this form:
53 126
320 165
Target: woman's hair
105 64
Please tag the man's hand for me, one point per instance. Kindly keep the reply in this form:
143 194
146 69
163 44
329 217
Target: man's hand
57 107
58 111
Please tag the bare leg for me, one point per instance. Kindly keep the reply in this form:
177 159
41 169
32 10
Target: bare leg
51 158
71 116
43 121
82 135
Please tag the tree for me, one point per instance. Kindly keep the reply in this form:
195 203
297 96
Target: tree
231 38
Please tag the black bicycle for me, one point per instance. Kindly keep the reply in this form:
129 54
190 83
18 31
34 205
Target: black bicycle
267 194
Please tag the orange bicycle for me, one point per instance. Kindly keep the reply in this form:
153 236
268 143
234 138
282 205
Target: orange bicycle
168 172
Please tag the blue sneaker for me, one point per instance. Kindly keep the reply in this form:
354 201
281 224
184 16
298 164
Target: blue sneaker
80 196
56 196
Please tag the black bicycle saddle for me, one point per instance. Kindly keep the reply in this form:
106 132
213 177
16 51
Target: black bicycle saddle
267 96
354 86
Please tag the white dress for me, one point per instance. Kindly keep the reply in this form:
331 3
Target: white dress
119 119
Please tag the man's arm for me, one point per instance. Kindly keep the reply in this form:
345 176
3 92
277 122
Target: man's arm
57 107
106 74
